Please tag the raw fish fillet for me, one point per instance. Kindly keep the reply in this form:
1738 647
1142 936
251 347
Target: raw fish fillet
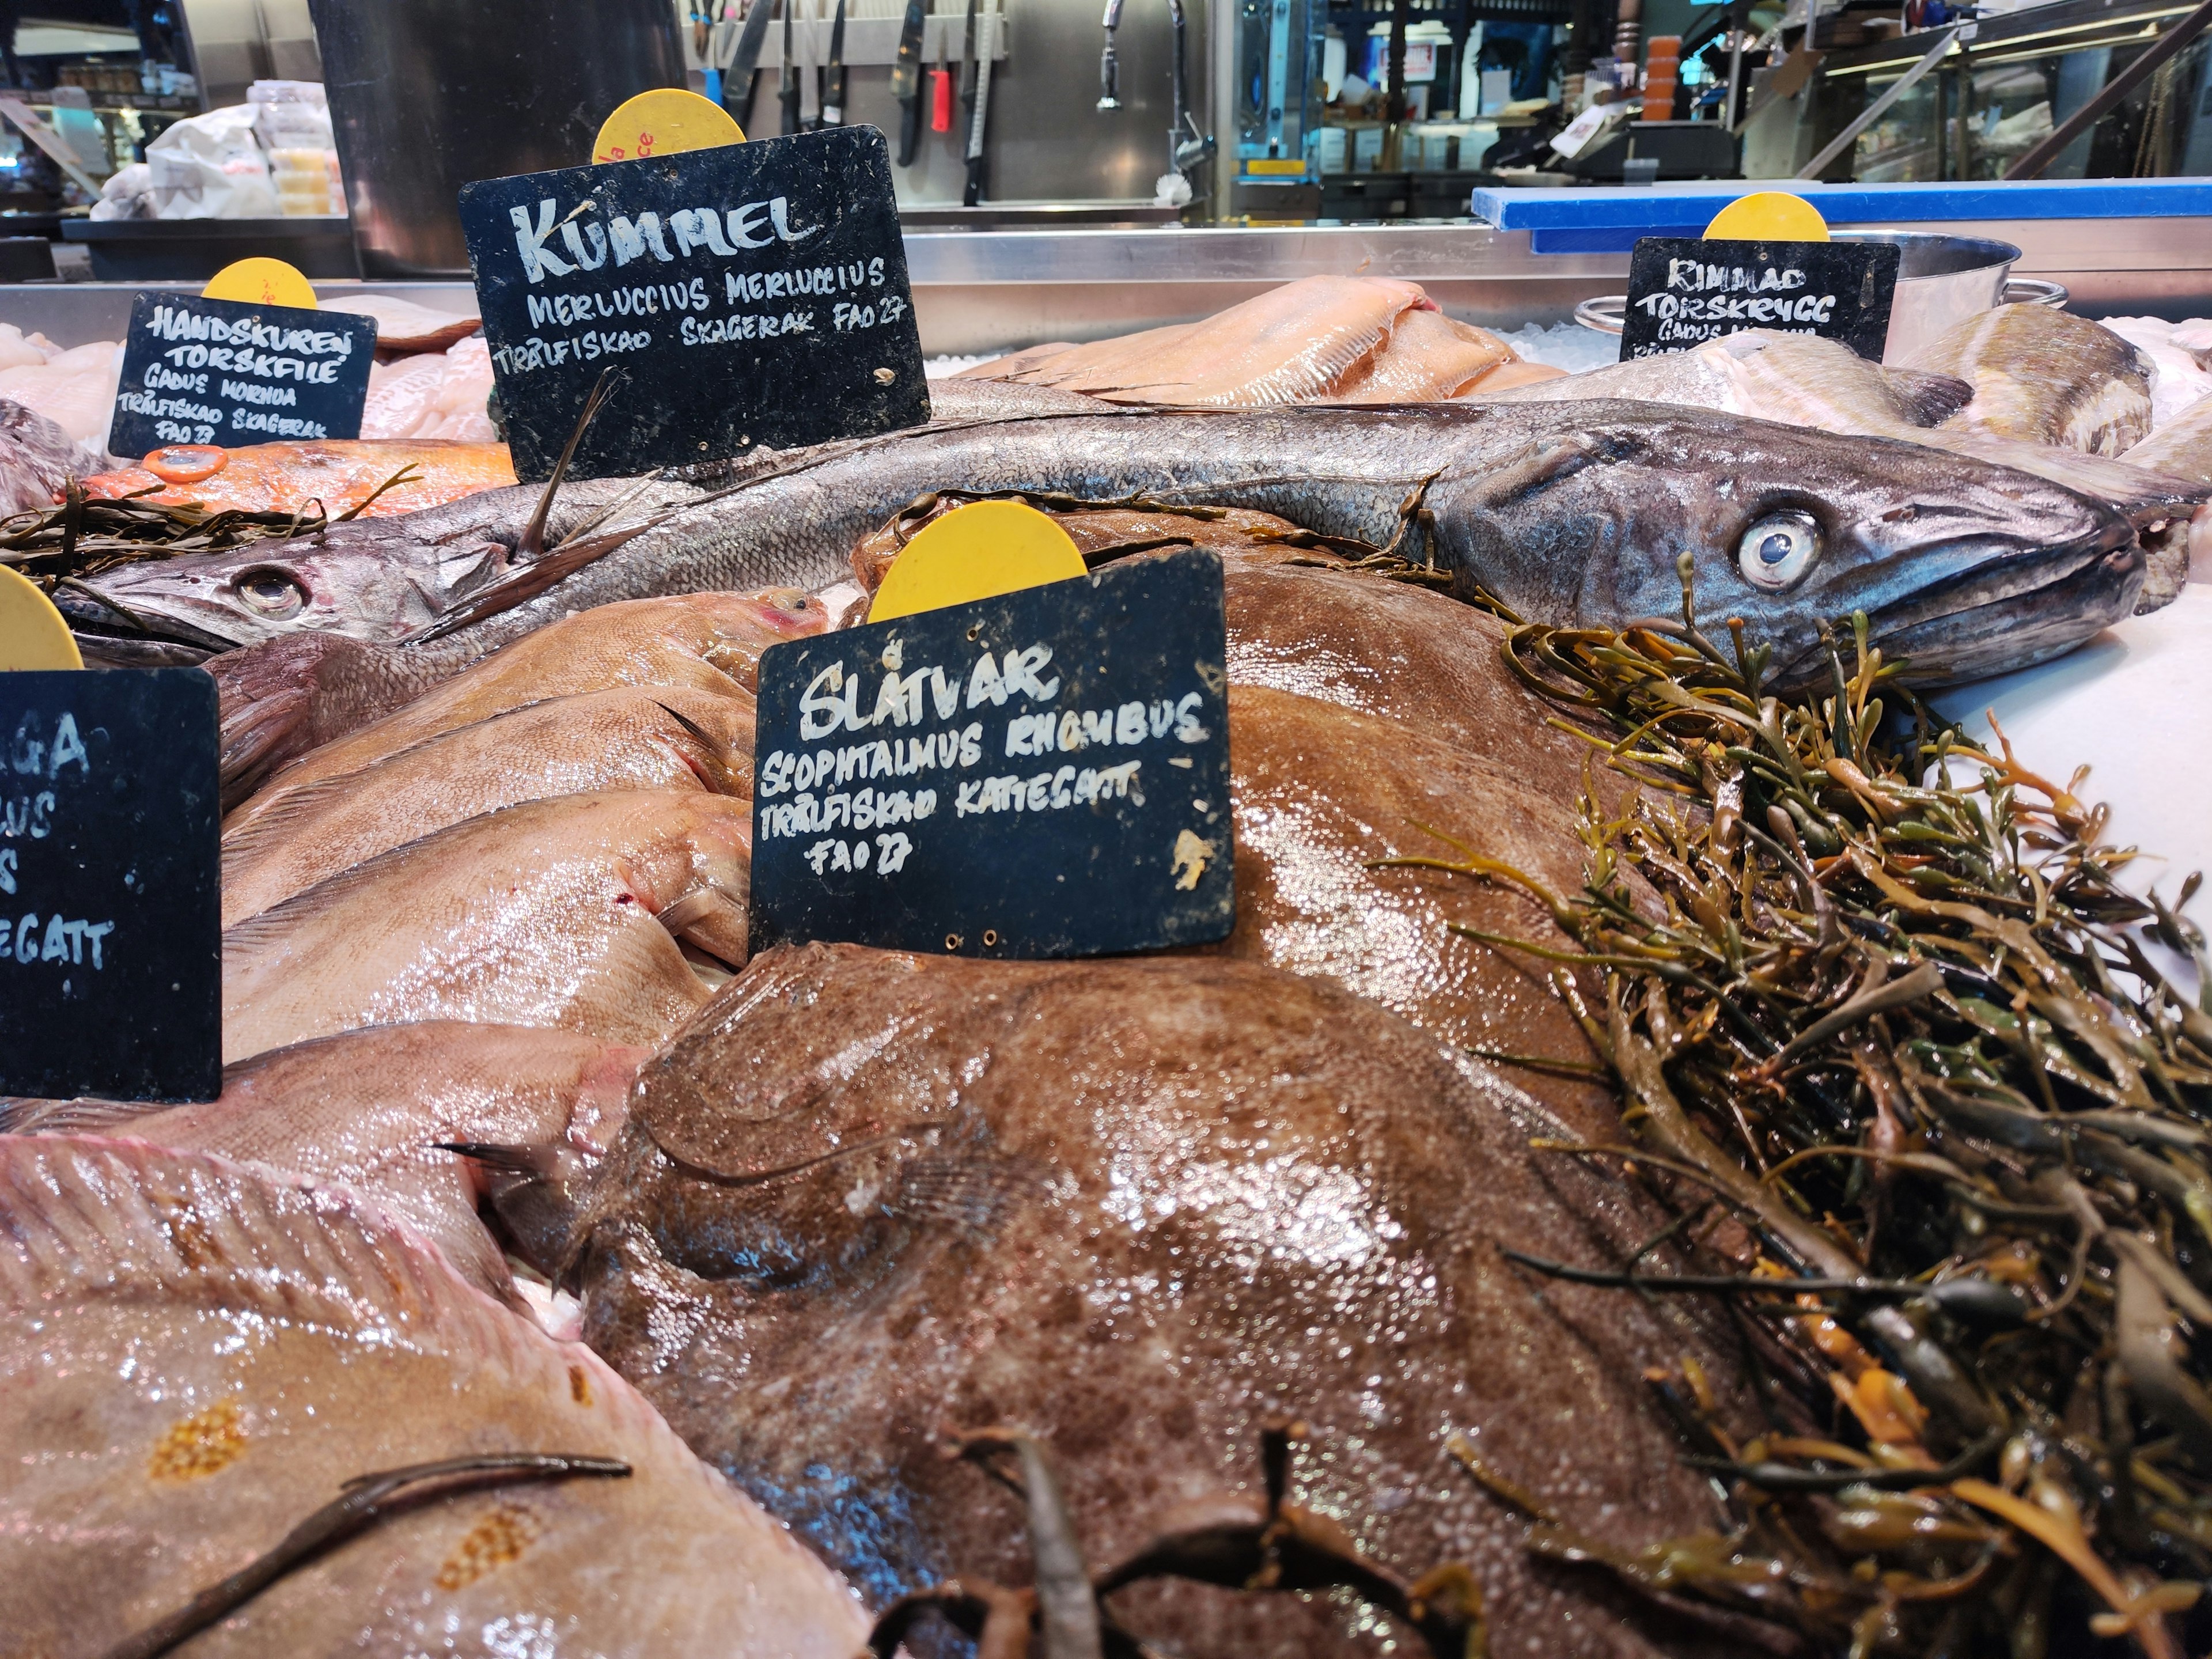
546 914
74 389
202 1355
432 395
1426 357
365 1110
1290 344
341 473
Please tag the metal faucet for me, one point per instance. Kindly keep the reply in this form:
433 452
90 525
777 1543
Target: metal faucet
1188 147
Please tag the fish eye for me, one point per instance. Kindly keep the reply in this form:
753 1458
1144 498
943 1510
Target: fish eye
271 591
1777 550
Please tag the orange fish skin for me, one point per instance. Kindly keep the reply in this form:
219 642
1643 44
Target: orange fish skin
340 472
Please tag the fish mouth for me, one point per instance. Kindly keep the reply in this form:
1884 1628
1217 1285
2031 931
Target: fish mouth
111 627
2011 611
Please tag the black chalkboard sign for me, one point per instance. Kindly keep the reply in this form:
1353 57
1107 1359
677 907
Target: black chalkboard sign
110 921
1683 290
1045 774
752 294
223 372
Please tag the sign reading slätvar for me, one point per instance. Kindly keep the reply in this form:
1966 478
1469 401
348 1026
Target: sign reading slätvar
749 295
1043 773
220 371
111 940
1684 291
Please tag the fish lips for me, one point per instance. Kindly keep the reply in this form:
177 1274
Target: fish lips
2000 603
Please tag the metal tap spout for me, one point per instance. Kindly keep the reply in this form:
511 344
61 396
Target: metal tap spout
1110 69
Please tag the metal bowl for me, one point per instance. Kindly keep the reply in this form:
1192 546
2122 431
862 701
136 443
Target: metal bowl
1941 279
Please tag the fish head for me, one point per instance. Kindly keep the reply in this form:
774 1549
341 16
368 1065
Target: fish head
1966 568
369 581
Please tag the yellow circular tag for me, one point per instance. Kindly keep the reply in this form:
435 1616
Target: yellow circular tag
1768 216
975 552
32 632
662 123
259 282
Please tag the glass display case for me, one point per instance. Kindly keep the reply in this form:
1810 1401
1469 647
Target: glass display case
2007 83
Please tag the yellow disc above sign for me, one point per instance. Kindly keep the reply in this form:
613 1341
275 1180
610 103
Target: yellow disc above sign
259 282
662 123
975 552
1768 216
32 632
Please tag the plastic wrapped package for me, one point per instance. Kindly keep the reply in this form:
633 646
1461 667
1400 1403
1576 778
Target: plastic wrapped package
210 166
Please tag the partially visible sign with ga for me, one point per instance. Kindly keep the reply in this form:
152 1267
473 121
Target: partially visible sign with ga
110 938
744 295
1040 774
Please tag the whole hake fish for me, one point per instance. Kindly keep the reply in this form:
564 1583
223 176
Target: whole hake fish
1570 513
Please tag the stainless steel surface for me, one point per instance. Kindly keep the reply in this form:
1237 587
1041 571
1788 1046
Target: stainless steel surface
1941 281
992 291
427 95
2034 291
235 43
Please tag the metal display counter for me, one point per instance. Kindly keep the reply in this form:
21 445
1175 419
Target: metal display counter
985 291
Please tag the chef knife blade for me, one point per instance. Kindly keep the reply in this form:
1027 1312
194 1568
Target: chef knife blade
968 64
738 83
833 78
986 39
906 79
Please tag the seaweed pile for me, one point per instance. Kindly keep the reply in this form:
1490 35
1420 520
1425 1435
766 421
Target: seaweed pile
1896 1045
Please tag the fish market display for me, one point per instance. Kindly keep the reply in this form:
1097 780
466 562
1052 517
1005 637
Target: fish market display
868 1200
563 913
1329 339
202 1356
432 395
367 1109
705 643
343 474
2045 377
1567 513
656 737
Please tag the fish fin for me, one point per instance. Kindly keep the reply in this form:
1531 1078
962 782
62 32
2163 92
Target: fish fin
530 544
533 1190
276 924
1926 397
530 580
26 1117
282 816
968 1188
709 920
721 768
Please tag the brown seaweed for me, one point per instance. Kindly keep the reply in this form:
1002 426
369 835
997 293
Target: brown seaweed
1897 1044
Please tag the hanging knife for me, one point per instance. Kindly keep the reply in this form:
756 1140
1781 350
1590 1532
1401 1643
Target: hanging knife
967 65
986 40
787 83
906 79
738 83
833 78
